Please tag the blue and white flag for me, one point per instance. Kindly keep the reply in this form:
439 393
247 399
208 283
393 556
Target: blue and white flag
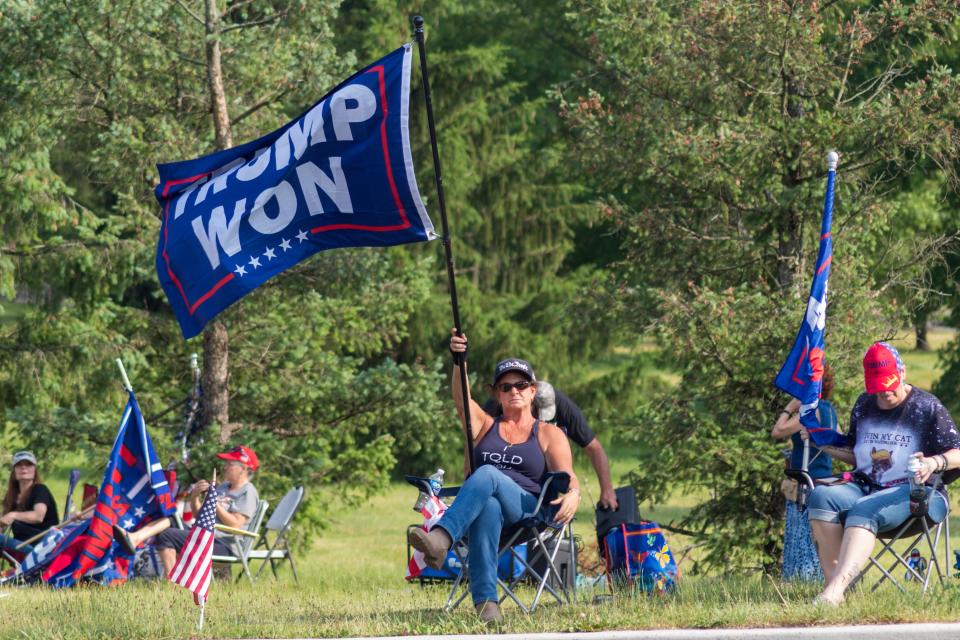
340 175
802 374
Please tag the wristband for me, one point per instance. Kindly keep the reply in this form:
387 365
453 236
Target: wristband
786 413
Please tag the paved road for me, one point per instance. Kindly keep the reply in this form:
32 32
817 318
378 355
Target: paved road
935 631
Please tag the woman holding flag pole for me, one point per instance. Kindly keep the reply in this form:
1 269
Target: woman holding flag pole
800 561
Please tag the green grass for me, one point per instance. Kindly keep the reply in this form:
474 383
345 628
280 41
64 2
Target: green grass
352 585
923 367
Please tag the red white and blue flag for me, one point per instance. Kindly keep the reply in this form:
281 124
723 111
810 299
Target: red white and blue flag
340 175
195 566
134 491
802 374
432 510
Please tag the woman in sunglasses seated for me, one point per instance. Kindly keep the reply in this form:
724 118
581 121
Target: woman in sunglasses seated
511 456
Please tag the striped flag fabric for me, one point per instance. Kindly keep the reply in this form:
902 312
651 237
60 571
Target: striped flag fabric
431 512
195 565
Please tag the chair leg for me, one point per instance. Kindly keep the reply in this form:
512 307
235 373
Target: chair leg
452 600
573 559
293 567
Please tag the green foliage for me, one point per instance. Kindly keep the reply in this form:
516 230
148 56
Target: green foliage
706 125
101 92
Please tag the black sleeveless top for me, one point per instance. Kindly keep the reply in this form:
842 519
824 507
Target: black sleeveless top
523 463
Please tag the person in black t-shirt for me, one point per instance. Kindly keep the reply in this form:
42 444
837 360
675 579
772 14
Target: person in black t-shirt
28 506
557 408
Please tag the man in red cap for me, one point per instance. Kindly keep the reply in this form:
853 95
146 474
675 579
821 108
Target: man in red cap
236 505
890 424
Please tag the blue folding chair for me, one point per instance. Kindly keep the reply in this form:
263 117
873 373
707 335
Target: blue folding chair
533 545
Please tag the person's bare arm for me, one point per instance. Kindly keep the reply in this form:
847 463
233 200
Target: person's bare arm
598 458
843 454
479 420
788 421
559 458
34 516
235 520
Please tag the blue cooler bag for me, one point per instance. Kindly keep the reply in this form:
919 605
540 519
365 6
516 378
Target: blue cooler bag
638 558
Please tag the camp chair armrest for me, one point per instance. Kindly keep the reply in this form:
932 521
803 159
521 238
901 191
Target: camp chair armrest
800 476
236 532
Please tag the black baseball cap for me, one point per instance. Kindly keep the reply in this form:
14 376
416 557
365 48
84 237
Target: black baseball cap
513 364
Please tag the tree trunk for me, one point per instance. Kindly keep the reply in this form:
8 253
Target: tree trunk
920 326
788 251
216 371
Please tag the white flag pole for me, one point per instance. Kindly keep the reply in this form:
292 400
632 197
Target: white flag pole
123 372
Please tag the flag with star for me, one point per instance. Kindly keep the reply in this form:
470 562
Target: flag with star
195 565
802 373
339 175
134 491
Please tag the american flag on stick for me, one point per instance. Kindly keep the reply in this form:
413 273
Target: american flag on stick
195 566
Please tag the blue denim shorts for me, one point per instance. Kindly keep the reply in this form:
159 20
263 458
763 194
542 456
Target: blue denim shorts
879 511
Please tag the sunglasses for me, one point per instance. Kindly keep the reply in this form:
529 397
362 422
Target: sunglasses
507 387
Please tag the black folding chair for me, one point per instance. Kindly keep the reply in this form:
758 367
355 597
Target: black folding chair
918 528
544 539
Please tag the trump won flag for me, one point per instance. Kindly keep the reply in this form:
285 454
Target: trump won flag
802 374
340 175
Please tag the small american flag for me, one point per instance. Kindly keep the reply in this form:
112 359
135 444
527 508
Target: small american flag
195 565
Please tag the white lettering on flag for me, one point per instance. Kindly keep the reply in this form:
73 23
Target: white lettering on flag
286 199
141 483
219 180
301 134
226 234
255 168
343 114
312 177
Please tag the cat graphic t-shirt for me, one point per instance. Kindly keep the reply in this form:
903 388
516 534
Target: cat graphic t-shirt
883 440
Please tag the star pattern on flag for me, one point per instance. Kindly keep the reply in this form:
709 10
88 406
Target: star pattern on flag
302 236
127 524
269 253
285 245
241 270
254 262
139 512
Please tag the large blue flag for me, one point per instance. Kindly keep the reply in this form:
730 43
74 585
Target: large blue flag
134 491
802 374
340 175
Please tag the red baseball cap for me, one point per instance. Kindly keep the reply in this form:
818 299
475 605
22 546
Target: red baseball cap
882 368
242 454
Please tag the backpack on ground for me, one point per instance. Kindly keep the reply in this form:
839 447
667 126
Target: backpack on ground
638 558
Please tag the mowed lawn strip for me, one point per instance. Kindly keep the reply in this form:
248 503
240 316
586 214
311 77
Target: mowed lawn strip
352 585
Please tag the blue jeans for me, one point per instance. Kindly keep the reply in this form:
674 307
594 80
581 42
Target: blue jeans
9 543
487 502
880 511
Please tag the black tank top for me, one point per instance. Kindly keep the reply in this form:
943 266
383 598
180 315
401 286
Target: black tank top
523 463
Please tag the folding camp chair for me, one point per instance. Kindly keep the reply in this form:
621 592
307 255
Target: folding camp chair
279 523
544 539
245 541
917 529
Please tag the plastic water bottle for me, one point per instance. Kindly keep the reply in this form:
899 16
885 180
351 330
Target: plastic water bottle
436 483
917 490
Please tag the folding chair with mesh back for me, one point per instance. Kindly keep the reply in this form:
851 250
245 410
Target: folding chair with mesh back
544 539
245 539
279 522
917 529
